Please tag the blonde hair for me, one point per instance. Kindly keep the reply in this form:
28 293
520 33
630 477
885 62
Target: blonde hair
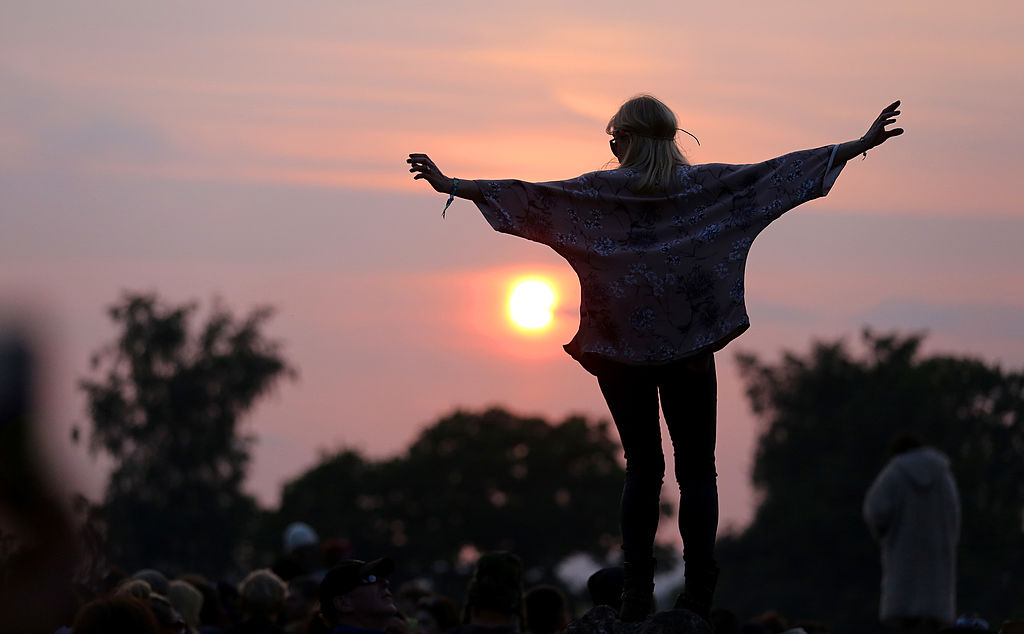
652 151
262 593
187 600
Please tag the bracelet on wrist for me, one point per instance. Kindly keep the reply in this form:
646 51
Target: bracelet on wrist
451 196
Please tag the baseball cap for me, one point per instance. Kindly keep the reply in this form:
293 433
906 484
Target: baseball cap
349 575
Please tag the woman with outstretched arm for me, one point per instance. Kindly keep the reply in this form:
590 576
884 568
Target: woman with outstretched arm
659 246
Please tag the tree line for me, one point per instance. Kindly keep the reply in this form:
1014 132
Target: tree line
168 397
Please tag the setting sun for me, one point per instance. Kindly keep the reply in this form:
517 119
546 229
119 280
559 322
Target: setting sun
531 303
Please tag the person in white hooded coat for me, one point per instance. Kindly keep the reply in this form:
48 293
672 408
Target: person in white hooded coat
913 510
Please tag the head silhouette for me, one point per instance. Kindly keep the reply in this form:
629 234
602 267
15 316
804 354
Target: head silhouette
643 139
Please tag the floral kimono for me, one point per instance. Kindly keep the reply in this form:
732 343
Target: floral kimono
661 274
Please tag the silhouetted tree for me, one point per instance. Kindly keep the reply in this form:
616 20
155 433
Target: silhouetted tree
165 404
483 481
828 419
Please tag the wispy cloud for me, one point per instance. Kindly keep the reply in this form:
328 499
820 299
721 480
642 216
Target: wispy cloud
961 318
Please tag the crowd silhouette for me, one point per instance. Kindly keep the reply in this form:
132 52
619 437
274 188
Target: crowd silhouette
310 590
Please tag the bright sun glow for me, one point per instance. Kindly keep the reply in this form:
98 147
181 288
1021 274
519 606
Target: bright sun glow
531 303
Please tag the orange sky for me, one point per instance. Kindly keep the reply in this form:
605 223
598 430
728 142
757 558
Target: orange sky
254 150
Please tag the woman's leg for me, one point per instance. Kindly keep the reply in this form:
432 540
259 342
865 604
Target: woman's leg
689 399
633 402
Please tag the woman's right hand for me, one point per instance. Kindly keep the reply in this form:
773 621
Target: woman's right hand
428 171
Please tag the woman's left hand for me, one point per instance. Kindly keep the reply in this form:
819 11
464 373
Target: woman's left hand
877 134
428 171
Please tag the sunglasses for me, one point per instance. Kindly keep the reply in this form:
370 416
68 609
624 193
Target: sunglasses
369 580
613 143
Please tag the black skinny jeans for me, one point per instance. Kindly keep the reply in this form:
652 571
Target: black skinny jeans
689 398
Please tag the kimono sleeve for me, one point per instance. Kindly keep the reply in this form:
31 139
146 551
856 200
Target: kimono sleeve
527 210
769 189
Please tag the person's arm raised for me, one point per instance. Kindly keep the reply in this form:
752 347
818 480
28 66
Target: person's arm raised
875 136
424 168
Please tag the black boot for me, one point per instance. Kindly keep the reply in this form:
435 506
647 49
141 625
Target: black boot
699 590
637 591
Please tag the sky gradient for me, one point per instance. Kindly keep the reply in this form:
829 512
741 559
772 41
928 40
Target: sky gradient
254 151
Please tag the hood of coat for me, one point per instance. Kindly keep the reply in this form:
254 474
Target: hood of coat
923 466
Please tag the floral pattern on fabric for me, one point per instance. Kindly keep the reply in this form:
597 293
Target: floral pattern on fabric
661 275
